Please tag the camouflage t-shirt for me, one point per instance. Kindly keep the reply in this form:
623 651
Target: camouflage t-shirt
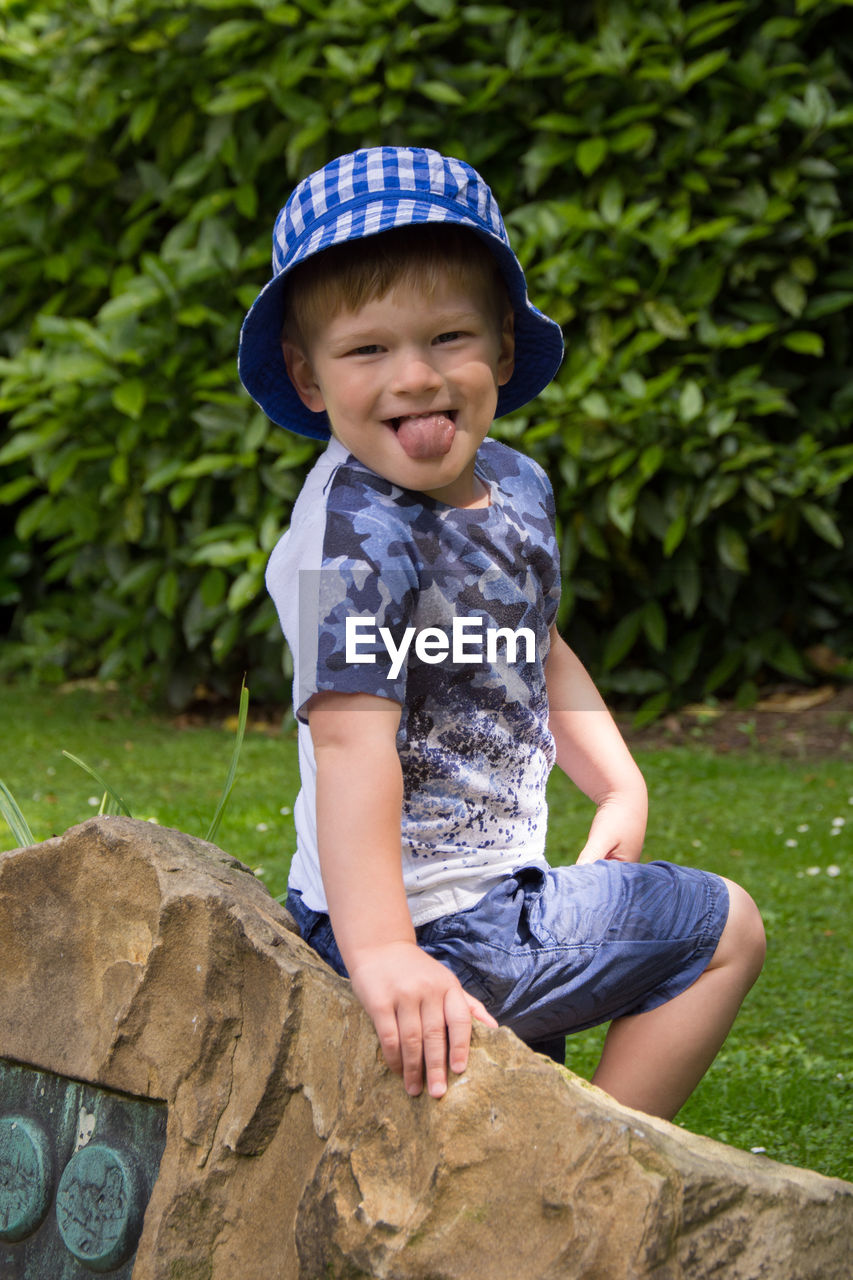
446 611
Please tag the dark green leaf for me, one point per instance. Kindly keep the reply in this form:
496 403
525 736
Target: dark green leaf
652 709
589 155
823 524
732 549
622 639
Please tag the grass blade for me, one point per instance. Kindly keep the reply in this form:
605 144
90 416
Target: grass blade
108 807
17 823
121 807
232 771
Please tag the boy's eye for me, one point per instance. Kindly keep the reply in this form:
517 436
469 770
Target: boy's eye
452 336
369 349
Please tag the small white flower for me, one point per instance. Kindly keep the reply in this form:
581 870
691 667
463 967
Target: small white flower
697 844
838 822
51 773
777 831
94 801
285 810
261 826
812 871
259 871
758 1151
835 831
804 826
791 844
833 871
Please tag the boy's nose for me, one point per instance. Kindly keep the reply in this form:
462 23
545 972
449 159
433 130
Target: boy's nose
414 372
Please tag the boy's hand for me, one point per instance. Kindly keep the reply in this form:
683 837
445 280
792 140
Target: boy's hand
617 832
421 1013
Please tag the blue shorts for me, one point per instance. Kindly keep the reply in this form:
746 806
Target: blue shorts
551 952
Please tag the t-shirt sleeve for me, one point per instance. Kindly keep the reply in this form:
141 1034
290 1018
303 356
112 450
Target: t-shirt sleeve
356 608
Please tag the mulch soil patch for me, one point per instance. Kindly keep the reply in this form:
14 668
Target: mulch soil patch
788 721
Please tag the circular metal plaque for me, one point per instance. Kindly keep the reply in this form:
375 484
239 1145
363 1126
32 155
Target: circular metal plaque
99 1206
25 1176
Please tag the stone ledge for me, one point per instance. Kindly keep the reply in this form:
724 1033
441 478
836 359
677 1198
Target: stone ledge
143 960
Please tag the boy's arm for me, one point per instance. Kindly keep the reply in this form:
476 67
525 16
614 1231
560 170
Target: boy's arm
417 1005
592 751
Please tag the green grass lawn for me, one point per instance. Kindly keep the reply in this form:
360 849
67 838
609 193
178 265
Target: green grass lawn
784 1080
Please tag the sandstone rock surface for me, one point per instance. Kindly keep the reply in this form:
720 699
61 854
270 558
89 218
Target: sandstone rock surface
143 960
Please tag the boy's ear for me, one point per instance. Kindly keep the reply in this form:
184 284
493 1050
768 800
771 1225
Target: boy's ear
301 374
506 353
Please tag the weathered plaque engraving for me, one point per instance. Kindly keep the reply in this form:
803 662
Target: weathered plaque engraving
25 1176
77 1166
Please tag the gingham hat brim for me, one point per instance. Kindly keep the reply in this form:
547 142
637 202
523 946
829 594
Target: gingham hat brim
538 339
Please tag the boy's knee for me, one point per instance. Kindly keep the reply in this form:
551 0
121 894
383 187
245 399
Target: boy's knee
743 940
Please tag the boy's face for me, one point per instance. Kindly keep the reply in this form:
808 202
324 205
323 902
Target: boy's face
410 384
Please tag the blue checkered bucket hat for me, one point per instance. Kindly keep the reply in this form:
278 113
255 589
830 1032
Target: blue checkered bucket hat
364 194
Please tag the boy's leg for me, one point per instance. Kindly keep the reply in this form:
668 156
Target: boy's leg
652 1061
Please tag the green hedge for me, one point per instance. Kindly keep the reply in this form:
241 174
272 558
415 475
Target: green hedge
678 181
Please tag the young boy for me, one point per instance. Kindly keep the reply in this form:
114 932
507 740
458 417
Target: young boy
417 587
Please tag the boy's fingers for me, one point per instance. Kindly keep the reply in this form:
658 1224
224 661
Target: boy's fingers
389 1039
419 1037
457 1014
411 1047
592 852
480 1012
435 1046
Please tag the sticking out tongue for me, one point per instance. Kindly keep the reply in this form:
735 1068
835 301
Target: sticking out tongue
428 435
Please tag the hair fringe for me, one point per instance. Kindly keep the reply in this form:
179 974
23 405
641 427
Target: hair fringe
347 276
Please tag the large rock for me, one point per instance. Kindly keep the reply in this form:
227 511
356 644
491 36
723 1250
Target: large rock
143 960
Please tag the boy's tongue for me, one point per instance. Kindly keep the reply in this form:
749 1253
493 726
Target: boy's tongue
426 435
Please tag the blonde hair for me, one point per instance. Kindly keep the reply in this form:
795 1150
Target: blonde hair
346 276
